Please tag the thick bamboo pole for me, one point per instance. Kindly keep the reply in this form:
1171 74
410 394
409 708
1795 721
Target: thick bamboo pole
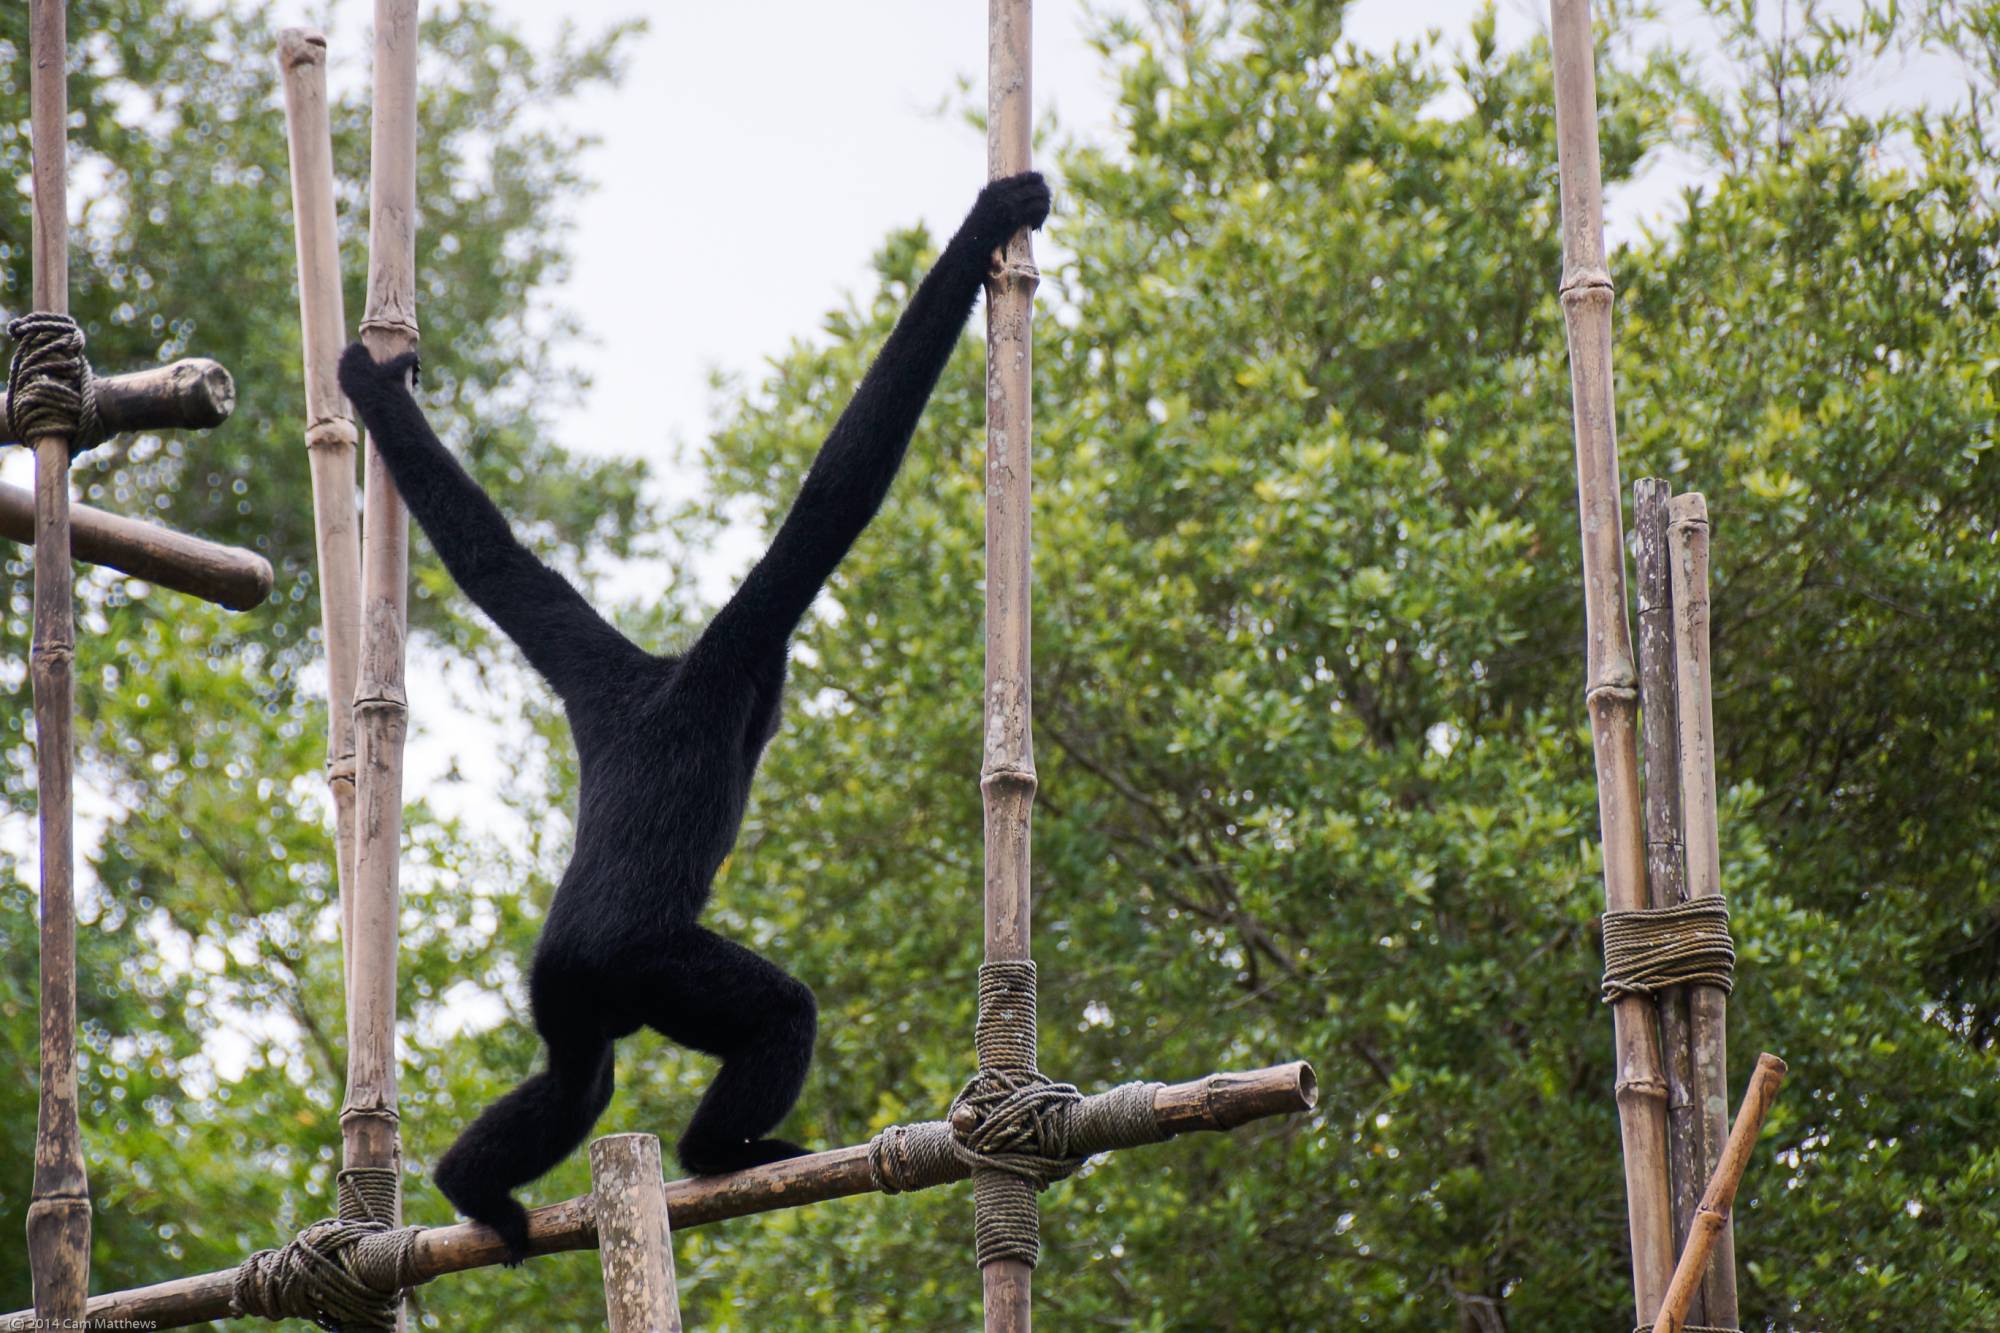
1612 693
1708 1006
1007 775
226 575
59 1213
634 1242
193 393
368 1117
1666 872
1711 1219
330 435
1218 1102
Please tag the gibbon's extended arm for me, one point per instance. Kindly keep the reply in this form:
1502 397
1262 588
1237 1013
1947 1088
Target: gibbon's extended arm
561 634
851 475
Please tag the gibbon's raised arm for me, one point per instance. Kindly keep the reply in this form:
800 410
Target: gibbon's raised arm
561 634
851 475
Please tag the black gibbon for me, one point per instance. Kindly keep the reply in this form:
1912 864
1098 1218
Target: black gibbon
666 746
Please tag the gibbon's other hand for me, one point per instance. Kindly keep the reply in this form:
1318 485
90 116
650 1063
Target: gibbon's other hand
1009 204
360 372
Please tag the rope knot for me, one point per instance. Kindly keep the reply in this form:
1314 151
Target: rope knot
1012 1129
1011 1122
349 1271
50 390
1653 948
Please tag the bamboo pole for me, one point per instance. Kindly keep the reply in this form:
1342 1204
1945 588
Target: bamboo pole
330 436
1711 1219
226 575
1007 775
1666 872
1218 1102
635 1244
1612 692
1708 1006
368 1118
59 1213
193 393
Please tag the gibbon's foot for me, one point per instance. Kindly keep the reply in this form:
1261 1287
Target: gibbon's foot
507 1217
1009 204
719 1159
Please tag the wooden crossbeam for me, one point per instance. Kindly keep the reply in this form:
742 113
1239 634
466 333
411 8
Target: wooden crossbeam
193 393
1218 1102
226 575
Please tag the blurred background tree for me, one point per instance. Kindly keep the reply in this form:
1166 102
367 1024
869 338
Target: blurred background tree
1315 776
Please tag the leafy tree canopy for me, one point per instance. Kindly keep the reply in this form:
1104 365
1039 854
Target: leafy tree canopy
1314 773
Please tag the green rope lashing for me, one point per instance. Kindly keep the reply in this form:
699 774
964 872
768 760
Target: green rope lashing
50 390
918 1156
1012 1118
348 1272
1657 947
1013 1129
368 1194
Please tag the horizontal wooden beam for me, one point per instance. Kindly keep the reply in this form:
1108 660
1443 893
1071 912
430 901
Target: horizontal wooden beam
226 575
191 394
1218 1102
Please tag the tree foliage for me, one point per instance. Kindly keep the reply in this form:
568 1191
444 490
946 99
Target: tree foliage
1315 779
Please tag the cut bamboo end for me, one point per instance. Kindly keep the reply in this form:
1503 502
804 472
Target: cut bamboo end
634 1242
301 46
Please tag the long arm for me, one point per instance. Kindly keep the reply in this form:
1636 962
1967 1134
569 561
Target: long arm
851 475
561 634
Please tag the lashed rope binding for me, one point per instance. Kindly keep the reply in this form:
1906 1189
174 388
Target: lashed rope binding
1013 1128
50 390
1653 948
345 1272
1012 1118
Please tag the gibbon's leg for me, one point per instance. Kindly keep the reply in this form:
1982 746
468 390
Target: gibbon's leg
713 995
528 1131
561 634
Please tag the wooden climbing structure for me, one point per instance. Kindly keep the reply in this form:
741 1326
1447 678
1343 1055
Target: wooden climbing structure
1669 962
1012 1130
57 408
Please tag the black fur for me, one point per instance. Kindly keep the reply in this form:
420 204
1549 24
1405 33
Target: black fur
667 746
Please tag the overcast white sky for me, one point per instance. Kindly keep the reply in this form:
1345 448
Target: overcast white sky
756 156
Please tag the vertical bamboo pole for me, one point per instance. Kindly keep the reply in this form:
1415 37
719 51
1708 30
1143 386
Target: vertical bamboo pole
368 1120
330 435
634 1241
59 1213
1666 871
1708 1006
1007 775
1612 693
